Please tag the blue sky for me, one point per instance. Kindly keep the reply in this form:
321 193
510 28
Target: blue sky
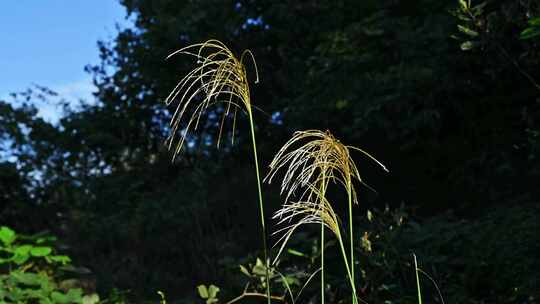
48 42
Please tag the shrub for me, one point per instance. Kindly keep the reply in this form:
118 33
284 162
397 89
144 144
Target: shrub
33 272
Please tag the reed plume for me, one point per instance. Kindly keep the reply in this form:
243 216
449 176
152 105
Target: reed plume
219 78
317 159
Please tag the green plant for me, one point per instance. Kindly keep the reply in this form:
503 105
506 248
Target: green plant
478 30
220 78
208 293
256 275
533 31
472 25
33 273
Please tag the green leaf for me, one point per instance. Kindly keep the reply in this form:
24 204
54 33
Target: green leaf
535 21
467 31
479 9
7 236
15 295
20 259
463 17
23 250
59 297
45 239
63 259
244 270
529 33
213 290
28 278
296 252
90 299
259 262
45 301
259 268
75 295
40 251
467 45
369 215
203 292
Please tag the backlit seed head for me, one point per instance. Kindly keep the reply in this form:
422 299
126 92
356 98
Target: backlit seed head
315 157
219 78
311 159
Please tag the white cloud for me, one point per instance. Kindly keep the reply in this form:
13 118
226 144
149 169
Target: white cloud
72 92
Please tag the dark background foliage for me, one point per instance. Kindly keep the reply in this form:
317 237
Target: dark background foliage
456 120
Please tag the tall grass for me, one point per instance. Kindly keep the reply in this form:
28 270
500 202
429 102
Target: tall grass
311 159
220 78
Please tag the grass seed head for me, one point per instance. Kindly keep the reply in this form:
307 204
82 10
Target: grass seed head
319 211
219 78
315 157
311 159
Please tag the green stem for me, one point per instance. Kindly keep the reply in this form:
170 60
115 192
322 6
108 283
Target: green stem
351 229
417 280
323 192
340 241
261 207
322 263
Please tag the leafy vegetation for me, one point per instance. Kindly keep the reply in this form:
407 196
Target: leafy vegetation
32 273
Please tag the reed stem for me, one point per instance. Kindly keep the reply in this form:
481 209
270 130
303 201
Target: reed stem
261 206
351 229
417 280
322 263
323 193
340 241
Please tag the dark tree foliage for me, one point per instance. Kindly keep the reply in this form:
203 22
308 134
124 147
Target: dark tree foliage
456 120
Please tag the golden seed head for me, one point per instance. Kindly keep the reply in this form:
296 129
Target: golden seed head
219 78
320 159
311 159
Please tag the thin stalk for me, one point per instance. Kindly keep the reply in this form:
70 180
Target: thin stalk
322 263
254 294
261 208
417 280
323 192
351 229
340 241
